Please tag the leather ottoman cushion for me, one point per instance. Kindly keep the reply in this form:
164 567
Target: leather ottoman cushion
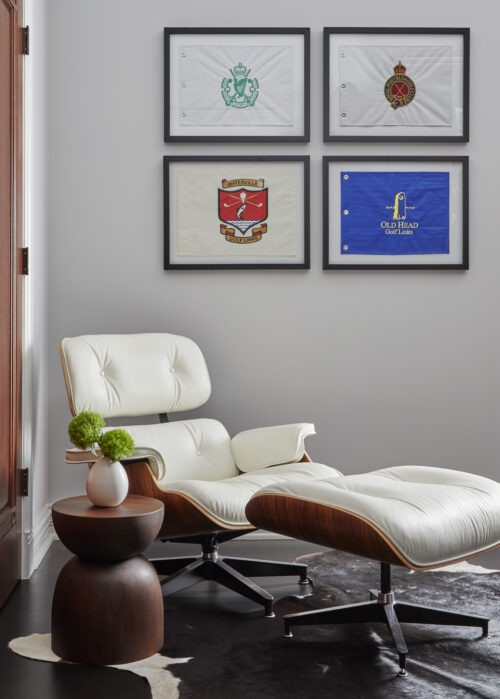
430 516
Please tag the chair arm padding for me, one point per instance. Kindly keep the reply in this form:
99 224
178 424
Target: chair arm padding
270 446
152 456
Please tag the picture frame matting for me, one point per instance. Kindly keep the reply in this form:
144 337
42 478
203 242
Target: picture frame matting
362 69
237 84
365 218
236 212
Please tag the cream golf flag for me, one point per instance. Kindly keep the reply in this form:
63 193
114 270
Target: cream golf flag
244 211
236 85
395 85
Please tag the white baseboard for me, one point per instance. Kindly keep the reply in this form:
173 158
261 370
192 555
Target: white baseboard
43 536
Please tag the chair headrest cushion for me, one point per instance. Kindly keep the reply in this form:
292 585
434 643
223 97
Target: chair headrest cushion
131 375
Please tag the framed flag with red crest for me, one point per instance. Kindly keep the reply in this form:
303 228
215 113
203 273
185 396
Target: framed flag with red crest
231 212
240 209
396 84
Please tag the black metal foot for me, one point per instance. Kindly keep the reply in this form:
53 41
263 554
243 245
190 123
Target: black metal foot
185 577
347 614
418 614
397 634
230 578
167 566
268 613
382 607
254 568
219 571
233 573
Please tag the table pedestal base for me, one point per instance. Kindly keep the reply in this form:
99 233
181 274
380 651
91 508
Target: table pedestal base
107 613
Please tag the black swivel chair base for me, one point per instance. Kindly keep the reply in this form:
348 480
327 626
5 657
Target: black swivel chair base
384 608
231 572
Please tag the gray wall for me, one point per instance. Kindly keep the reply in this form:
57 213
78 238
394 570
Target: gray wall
393 367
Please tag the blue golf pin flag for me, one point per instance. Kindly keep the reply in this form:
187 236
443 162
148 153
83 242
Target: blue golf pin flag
395 213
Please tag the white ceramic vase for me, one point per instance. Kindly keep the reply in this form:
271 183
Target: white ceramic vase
107 483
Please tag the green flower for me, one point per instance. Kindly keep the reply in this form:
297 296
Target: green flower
85 429
116 444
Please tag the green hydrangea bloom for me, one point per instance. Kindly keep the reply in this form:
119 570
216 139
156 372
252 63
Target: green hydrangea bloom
85 429
116 444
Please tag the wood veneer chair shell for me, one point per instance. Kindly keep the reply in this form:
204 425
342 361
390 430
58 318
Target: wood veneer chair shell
183 517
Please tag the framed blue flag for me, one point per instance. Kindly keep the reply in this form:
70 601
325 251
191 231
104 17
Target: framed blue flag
395 212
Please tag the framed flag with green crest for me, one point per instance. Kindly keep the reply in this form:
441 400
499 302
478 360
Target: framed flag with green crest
236 84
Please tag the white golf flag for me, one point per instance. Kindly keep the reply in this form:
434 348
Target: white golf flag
394 86
223 211
236 85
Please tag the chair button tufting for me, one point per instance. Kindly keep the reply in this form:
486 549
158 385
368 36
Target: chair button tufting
101 373
198 452
172 370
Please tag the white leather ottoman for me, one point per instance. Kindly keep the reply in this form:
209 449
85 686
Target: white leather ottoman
415 516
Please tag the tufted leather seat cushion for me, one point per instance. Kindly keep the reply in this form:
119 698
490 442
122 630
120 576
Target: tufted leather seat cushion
226 499
431 516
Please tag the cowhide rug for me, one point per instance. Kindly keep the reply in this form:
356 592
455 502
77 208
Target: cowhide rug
244 656
239 656
161 681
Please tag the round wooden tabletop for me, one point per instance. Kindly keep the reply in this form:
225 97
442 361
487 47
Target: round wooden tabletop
132 506
107 533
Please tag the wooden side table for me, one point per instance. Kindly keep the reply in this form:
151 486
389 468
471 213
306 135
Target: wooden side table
108 604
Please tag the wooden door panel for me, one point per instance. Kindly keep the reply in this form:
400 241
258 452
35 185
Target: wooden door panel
5 246
10 288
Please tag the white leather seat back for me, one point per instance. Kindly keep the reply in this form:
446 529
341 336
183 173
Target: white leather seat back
188 449
132 375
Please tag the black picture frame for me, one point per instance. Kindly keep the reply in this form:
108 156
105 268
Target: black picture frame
236 138
463 32
464 237
169 264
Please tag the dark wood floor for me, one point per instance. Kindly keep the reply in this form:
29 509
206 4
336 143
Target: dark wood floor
28 611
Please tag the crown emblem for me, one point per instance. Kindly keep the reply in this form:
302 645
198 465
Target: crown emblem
241 71
400 89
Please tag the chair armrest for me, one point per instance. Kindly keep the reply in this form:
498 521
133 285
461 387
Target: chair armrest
270 446
81 456
152 456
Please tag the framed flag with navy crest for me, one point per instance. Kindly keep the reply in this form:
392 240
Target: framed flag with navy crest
388 84
237 84
236 212
395 212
